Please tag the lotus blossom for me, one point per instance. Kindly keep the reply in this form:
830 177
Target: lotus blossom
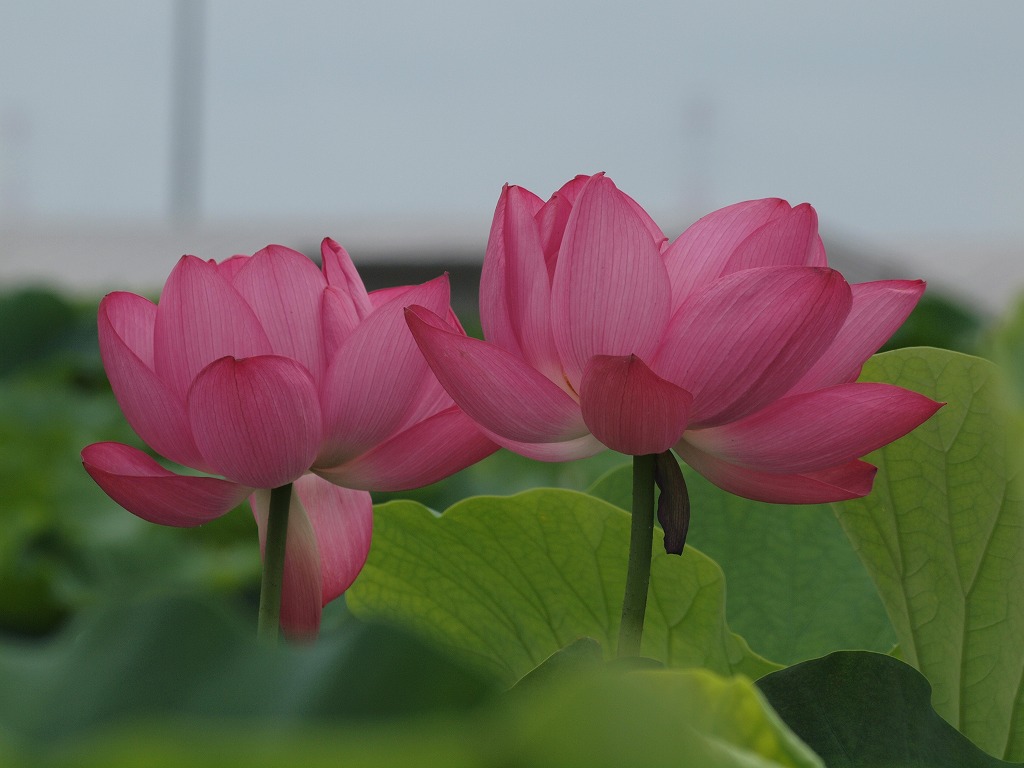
266 371
736 344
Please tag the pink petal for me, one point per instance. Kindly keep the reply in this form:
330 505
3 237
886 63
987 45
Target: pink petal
497 389
257 421
515 290
565 450
231 266
847 481
750 336
428 451
552 217
631 409
155 412
345 303
284 289
140 485
699 256
329 531
375 378
879 308
817 430
610 294
789 239
201 318
342 520
341 274
302 591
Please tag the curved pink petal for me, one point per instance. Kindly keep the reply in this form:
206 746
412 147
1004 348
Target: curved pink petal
376 375
878 309
345 301
284 289
515 290
847 481
817 430
631 409
302 591
201 318
790 238
497 389
341 274
750 336
699 255
610 294
566 450
342 521
140 485
155 412
328 539
230 266
257 421
552 217
426 452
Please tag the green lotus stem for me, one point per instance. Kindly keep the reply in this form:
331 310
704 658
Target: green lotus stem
269 624
638 573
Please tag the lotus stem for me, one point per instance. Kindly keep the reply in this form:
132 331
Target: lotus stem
638 573
269 624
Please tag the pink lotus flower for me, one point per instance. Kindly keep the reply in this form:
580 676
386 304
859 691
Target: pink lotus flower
736 345
263 369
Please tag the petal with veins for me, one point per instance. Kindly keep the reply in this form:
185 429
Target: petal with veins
284 289
515 290
631 409
497 389
155 412
610 294
878 309
140 485
328 539
341 274
817 430
257 421
699 255
375 377
789 239
847 481
201 318
426 452
744 341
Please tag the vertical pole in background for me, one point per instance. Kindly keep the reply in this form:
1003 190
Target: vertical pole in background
187 111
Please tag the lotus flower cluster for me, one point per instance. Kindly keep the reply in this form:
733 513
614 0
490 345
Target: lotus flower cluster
266 371
735 345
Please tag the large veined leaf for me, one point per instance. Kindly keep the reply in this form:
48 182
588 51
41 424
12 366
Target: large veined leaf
508 581
864 709
942 535
796 588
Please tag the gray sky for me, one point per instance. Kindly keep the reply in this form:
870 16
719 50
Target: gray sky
895 119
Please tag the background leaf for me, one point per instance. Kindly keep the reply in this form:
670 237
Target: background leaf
510 580
184 657
942 535
865 709
796 588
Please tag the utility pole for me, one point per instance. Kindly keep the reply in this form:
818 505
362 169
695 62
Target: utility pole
187 111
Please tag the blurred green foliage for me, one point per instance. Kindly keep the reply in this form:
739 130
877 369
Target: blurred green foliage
938 321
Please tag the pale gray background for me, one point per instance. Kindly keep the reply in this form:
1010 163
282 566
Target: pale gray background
902 122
